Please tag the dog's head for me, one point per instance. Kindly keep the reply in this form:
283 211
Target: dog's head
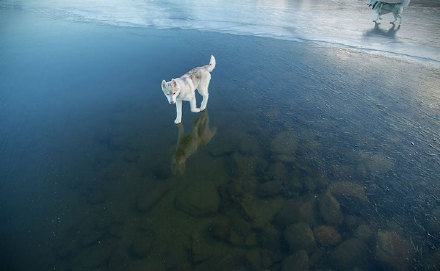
171 90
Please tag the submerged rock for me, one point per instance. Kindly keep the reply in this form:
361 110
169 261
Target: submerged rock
269 189
284 146
203 249
253 259
220 228
299 236
376 163
146 201
269 237
277 171
327 235
330 210
295 210
350 254
393 250
348 191
298 261
351 196
259 211
363 232
199 199
142 244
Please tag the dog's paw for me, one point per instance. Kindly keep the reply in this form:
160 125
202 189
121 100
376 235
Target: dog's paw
177 121
195 110
202 109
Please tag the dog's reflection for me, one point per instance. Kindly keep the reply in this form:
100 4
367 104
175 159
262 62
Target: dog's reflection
188 144
377 31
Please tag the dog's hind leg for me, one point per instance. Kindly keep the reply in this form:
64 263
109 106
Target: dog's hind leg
377 17
204 102
193 105
203 90
396 15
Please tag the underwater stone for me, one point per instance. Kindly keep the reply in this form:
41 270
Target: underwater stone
251 240
351 254
141 244
253 259
327 235
363 232
199 199
352 222
259 211
269 238
294 210
351 196
293 186
376 163
299 236
161 171
393 250
249 145
146 201
269 258
277 171
269 189
220 229
347 190
284 146
298 261
330 210
235 238
202 249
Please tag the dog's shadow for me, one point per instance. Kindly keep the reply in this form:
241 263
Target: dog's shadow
188 144
376 31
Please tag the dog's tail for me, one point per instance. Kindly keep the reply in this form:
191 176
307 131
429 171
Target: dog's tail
211 64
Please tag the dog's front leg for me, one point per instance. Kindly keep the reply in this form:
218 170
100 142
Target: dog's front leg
193 105
178 112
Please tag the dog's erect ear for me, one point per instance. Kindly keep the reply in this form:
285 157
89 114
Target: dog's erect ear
164 84
174 83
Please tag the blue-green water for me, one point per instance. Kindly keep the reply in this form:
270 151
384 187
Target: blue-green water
307 157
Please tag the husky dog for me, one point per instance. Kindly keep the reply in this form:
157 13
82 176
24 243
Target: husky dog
184 88
382 7
188 144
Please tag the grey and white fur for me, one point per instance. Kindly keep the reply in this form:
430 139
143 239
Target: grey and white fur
184 88
382 7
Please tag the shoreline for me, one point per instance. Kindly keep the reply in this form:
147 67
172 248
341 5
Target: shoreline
401 56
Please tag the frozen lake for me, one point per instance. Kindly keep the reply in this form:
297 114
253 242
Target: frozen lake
320 148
